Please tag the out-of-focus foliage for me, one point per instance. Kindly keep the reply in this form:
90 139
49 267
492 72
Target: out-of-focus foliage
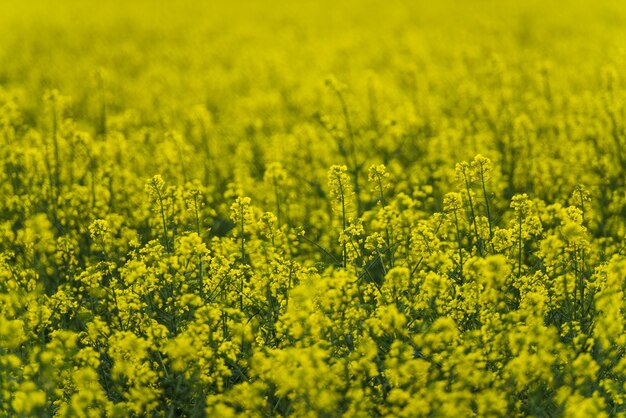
316 208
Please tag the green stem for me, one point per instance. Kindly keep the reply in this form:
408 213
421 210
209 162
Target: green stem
482 180
519 267
344 224
458 238
167 244
479 243
387 233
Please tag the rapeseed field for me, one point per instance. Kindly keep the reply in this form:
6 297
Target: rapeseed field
313 208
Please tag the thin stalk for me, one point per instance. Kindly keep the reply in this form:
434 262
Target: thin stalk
387 233
197 214
324 250
343 223
519 267
55 144
102 120
243 240
582 204
352 146
277 197
576 284
163 219
479 243
482 181
458 238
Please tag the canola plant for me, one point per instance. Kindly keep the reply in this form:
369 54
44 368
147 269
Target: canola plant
312 209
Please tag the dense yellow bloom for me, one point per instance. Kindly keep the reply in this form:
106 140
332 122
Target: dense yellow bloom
312 209
28 399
